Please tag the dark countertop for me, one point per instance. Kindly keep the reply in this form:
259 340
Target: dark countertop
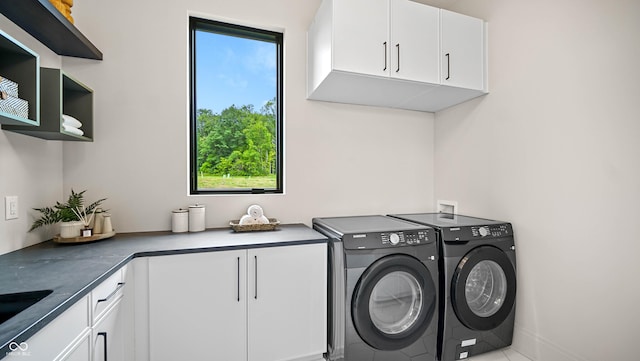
73 270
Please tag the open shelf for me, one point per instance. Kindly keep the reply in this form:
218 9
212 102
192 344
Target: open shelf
60 94
22 66
41 19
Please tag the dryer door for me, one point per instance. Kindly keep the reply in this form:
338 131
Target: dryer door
394 302
483 288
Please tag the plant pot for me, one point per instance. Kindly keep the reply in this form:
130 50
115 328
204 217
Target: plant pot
70 229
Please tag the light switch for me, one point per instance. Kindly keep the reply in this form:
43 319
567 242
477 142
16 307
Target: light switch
10 207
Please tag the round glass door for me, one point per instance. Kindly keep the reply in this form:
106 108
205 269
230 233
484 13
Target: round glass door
483 288
486 288
393 302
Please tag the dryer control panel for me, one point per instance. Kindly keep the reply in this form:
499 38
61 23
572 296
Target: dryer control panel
479 232
494 230
388 239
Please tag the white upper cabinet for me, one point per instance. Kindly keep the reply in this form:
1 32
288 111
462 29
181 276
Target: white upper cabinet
391 53
359 36
414 41
395 38
463 50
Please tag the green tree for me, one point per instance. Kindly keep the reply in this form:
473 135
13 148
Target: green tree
238 141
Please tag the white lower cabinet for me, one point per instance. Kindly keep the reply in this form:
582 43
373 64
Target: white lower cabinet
263 304
287 302
197 306
65 338
82 332
108 335
79 351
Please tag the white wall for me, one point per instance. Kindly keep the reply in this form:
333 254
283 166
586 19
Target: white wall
554 149
30 168
339 159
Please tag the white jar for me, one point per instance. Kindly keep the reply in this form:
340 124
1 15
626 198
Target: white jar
179 220
196 218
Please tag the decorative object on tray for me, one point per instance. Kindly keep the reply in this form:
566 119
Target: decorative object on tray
79 239
76 220
254 220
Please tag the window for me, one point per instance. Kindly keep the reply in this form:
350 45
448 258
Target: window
236 109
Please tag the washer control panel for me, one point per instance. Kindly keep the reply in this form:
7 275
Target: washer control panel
404 238
389 239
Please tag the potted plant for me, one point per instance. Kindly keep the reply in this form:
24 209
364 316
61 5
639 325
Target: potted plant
65 213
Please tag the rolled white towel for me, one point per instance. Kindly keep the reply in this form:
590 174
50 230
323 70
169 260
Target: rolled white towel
72 130
261 220
255 211
247 220
71 121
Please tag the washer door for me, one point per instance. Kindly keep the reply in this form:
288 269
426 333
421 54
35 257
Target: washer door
483 289
393 302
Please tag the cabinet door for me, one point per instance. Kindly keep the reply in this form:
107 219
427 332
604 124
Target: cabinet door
360 36
79 352
463 50
287 308
197 306
59 339
414 41
108 335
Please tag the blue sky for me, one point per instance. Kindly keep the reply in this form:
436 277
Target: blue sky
233 70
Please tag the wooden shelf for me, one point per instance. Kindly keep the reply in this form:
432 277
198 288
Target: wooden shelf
60 94
22 66
41 19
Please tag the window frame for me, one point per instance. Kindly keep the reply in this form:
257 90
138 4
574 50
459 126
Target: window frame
224 28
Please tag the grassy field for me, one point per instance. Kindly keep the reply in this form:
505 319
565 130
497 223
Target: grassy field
219 182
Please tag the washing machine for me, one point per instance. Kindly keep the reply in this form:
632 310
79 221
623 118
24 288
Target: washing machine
383 293
477 283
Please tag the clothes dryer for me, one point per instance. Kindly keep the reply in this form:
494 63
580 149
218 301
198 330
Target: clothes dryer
383 293
477 283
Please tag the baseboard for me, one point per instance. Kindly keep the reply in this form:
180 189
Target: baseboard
538 348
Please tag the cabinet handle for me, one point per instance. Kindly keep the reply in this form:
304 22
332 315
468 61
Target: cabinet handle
104 334
238 279
120 285
385 56
448 66
398 47
256 278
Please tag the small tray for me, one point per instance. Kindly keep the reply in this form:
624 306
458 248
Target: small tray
273 223
79 239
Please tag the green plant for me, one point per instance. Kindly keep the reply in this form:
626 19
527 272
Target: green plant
63 212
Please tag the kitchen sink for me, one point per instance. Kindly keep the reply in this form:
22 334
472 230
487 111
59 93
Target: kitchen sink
13 303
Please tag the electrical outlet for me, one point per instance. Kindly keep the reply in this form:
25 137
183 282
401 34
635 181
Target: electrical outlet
10 207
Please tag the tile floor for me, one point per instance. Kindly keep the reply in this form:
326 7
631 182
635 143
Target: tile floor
506 354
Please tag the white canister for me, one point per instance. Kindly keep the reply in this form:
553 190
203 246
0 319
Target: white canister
107 227
179 220
196 218
98 220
